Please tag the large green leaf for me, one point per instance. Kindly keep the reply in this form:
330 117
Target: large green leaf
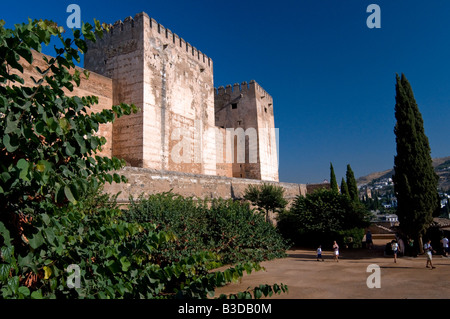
4 272
36 294
11 143
24 291
36 240
23 165
4 232
11 126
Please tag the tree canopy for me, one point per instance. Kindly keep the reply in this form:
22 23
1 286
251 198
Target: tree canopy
322 217
333 183
268 197
415 182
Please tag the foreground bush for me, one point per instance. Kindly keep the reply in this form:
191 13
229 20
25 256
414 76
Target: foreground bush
116 259
230 229
59 237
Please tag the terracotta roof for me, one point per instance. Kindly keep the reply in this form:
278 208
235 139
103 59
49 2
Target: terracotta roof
441 222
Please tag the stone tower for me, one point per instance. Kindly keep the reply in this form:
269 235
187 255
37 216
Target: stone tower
171 82
184 123
246 111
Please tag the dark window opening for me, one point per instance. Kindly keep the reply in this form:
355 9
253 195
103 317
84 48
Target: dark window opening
234 105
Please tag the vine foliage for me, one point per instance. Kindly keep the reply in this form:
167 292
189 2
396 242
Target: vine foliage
52 211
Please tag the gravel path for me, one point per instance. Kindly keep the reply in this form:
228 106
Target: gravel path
308 278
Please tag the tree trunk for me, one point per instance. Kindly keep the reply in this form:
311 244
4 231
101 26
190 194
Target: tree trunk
420 244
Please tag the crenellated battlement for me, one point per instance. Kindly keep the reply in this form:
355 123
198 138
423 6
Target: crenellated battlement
126 25
168 37
171 82
252 86
121 28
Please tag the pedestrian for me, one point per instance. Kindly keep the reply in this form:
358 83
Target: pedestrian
412 250
336 251
429 251
444 242
394 247
319 253
369 241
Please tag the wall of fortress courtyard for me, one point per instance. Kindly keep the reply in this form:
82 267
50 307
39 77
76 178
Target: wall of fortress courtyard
186 136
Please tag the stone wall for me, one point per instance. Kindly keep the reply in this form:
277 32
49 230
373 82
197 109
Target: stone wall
149 181
184 124
119 55
249 108
97 85
172 84
179 96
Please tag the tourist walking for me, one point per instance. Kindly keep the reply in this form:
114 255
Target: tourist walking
394 246
412 251
369 241
336 251
429 251
444 242
319 253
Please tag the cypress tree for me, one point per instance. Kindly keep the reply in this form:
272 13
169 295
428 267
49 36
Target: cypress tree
344 188
351 184
333 183
415 182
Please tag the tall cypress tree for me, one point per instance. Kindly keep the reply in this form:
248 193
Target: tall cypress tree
333 183
351 184
344 188
415 182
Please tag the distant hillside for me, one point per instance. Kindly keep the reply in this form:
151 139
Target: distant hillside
441 166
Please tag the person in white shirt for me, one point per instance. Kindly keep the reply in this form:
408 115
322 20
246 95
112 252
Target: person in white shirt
428 251
336 251
394 246
444 242
319 253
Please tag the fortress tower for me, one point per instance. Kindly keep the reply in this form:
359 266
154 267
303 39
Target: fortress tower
184 123
248 108
172 84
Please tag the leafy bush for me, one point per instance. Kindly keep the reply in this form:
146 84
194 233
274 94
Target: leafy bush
117 259
231 229
321 218
52 216
48 141
267 197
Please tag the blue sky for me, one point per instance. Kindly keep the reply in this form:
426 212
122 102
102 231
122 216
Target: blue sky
332 78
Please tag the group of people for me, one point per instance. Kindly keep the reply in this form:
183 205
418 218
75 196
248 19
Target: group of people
428 249
335 252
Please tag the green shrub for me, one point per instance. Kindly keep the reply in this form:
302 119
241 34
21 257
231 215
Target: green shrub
322 217
116 258
231 229
52 216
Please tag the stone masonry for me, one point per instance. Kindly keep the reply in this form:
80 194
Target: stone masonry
184 123
187 136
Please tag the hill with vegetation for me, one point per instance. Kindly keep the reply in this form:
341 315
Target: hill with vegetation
441 166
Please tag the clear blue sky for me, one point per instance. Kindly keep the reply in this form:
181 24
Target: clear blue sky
332 78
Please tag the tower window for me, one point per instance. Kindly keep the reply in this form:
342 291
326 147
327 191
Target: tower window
234 106
265 109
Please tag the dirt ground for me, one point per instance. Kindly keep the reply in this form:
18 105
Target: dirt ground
308 278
